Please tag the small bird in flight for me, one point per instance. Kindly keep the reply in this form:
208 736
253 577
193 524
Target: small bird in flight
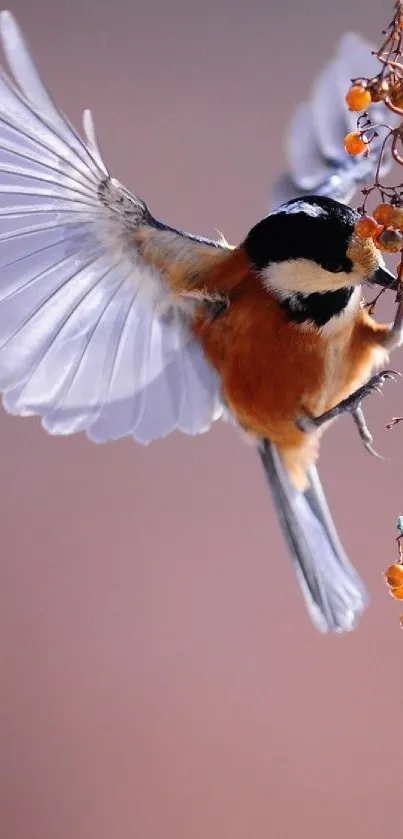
116 324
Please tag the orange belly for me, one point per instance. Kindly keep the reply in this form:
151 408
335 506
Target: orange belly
269 369
273 370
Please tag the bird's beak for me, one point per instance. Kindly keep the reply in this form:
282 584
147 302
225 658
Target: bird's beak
385 278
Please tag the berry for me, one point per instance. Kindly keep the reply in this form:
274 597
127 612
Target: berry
383 214
389 240
394 575
397 593
396 219
354 143
366 227
358 98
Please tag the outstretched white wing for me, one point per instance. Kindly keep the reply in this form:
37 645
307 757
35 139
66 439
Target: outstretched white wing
92 338
316 158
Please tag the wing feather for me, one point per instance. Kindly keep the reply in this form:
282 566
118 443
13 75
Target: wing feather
92 336
317 161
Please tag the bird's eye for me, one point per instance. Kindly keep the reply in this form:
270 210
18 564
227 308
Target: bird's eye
335 267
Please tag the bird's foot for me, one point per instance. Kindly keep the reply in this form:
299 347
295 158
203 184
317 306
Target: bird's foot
351 405
364 432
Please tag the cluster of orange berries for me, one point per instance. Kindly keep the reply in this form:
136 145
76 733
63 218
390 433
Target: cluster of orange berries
360 96
384 227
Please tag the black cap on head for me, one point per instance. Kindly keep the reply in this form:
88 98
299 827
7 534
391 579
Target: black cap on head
312 227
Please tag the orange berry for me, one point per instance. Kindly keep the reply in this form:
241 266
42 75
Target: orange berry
383 213
394 575
355 144
389 240
366 227
358 98
396 219
396 593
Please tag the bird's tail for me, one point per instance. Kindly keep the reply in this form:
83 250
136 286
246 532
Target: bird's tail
333 591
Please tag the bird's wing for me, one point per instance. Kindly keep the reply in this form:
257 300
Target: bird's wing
93 334
316 159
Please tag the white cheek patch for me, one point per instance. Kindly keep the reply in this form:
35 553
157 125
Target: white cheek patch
305 276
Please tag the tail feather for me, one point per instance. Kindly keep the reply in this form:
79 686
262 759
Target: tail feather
333 591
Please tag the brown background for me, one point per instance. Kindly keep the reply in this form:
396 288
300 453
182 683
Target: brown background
159 675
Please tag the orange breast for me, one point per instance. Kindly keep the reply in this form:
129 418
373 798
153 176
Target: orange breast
269 367
273 370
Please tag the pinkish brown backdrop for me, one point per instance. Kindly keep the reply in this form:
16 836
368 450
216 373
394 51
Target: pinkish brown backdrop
159 675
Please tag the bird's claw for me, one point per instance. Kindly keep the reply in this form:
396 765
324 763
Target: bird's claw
365 433
375 383
372 451
352 405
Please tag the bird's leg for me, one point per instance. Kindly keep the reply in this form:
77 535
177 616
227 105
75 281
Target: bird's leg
352 405
364 432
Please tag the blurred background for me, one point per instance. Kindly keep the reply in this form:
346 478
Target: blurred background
160 677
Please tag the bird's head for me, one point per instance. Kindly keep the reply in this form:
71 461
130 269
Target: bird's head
308 248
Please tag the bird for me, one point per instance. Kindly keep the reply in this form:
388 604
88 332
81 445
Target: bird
116 324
